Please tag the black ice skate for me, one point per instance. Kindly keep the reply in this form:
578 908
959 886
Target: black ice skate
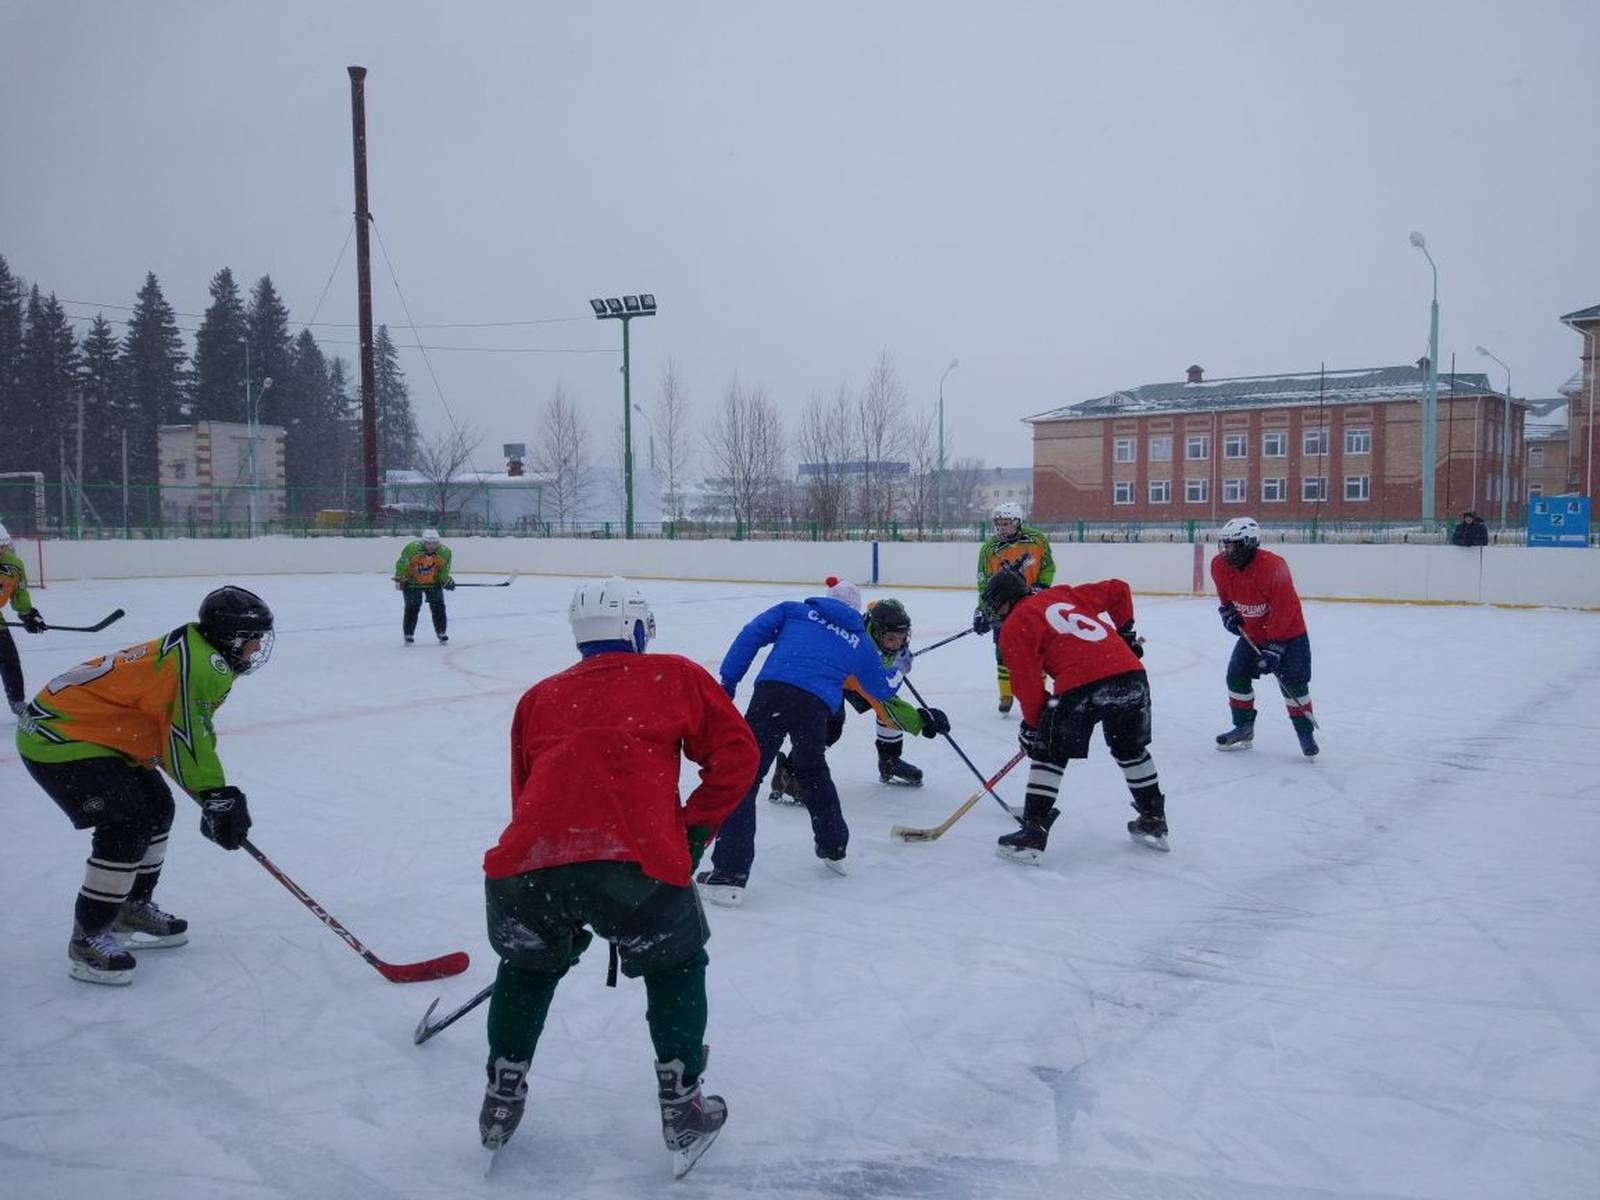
99 958
443 638
690 1120
833 860
785 787
1005 704
722 888
503 1102
143 926
409 639
1240 737
1149 828
894 769
1026 845
17 706
1308 743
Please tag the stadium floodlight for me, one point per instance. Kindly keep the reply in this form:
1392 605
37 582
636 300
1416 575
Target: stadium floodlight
613 306
599 307
647 302
625 310
631 303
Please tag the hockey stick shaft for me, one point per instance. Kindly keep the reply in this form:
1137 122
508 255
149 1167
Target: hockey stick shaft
502 583
941 642
425 1030
1284 688
1010 812
434 968
116 615
904 834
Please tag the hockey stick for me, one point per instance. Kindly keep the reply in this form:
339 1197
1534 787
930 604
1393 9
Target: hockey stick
902 833
502 583
116 615
1011 812
425 1030
942 642
434 968
1282 687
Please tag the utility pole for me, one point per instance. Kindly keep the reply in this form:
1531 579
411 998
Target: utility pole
369 377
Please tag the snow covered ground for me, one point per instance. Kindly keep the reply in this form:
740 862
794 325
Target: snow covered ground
1375 975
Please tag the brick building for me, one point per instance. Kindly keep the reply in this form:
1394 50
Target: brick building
1545 460
1582 436
1336 445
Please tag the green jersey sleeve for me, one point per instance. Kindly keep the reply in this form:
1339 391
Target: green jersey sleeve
1047 563
444 563
402 564
14 583
191 751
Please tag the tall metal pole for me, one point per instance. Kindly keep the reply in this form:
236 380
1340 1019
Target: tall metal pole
1430 392
369 375
127 519
77 508
938 485
250 438
627 437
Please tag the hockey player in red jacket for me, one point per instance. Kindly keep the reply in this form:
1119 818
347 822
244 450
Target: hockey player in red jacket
598 839
1259 606
1082 636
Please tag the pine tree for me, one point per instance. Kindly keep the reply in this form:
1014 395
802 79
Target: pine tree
350 467
397 424
11 293
153 391
314 453
271 356
219 354
99 378
49 364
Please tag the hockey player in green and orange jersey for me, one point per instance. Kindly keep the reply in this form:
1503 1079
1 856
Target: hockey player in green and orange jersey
14 591
423 570
94 738
1013 547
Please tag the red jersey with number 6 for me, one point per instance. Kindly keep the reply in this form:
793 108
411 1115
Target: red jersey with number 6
1069 633
1264 595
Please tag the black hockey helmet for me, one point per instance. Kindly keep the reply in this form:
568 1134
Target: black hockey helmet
1001 594
887 616
231 618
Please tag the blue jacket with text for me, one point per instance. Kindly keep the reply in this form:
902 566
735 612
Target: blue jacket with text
816 644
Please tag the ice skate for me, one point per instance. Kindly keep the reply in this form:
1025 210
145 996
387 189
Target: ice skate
1308 743
895 770
409 639
1240 737
833 860
1149 831
722 888
503 1102
1005 704
143 926
443 638
17 706
690 1120
785 787
1026 845
99 958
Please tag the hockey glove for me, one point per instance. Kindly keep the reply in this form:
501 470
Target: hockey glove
1135 642
934 722
980 620
32 621
449 585
857 701
226 817
1231 620
699 839
399 585
1268 656
1028 738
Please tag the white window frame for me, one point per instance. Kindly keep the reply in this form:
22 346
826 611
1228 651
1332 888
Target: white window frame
1278 484
1196 441
1233 490
1236 445
1314 442
1278 438
1122 491
1160 447
1160 491
1358 488
1314 489
1536 491
1357 440
1197 491
1124 450
1536 456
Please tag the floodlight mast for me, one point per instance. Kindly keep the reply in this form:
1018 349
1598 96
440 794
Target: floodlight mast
625 309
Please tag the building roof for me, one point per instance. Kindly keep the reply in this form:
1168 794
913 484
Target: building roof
1364 386
1547 420
1592 313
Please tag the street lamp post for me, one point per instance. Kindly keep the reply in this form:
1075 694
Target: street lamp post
625 310
938 485
1505 437
1430 392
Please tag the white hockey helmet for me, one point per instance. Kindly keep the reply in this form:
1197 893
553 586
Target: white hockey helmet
430 537
1238 540
1009 511
609 610
5 535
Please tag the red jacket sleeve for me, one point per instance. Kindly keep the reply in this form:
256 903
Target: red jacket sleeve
723 746
1111 596
1023 654
1283 604
1217 576
519 765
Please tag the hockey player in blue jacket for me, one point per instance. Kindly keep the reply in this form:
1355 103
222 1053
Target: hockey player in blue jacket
816 645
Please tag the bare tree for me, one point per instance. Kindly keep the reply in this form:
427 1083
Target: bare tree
825 445
746 445
672 442
962 492
920 494
440 460
561 458
880 436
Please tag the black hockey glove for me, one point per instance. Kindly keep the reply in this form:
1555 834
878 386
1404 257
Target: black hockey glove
399 585
1135 642
934 722
449 585
32 621
226 817
699 839
1231 620
1027 738
1268 656
980 620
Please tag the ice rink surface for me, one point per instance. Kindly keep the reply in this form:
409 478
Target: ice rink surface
1374 975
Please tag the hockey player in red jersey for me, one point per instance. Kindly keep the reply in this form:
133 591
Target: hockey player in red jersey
599 840
1082 636
1260 607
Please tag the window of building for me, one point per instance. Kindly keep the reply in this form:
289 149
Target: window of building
1358 487
1122 492
1122 450
1196 491
1535 490
1161 491
1197 446
1233 491
1536 456
1235 445
1274 445
1161 448
1358 441
1314 488
1314 441
1274 491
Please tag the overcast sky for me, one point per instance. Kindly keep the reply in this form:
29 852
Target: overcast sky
1068 197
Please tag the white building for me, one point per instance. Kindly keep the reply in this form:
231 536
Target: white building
208 479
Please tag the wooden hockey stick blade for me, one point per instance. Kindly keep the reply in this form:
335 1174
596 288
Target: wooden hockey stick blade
904 833
442 967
